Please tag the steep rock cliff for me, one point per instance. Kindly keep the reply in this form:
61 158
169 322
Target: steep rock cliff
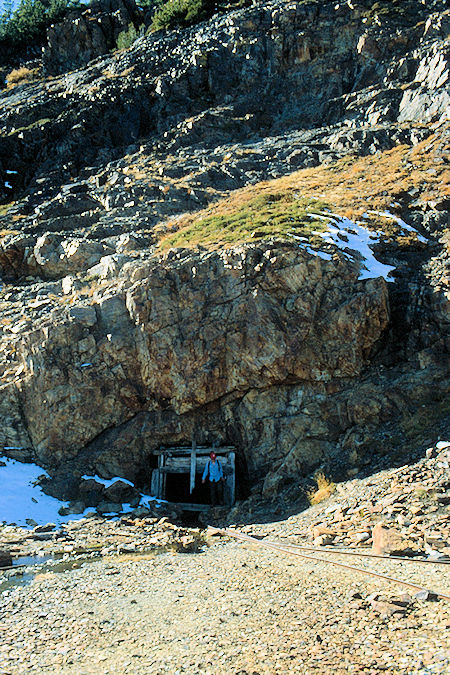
281 348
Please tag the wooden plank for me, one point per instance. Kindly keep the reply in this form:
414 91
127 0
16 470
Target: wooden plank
185 463
201 450
162 477
231 479
155 483
193 466
164 480
160 464
186 469
193 507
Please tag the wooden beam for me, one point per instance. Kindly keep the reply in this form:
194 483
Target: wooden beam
185 462
162 477
231 479
201 450
170 468
192 507
193 466
155 483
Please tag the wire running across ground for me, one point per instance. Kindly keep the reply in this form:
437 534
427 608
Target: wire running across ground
286 548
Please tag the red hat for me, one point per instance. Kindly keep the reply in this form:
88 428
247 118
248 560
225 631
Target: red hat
212 454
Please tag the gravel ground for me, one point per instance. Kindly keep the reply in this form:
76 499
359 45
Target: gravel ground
233 608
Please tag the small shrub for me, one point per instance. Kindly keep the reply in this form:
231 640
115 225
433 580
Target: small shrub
126 38
180 13
21 75
325 488
30 19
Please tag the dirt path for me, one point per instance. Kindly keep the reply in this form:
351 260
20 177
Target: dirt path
229 609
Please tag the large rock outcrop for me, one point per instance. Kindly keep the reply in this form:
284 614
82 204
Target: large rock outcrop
83 36
185 338
108 351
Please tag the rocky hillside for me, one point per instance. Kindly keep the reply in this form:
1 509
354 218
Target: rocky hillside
234 232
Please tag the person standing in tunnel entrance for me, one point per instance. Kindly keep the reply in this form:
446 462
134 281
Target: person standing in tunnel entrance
214 472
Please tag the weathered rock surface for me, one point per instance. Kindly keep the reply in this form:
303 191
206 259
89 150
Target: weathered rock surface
108 352
150 356
94 32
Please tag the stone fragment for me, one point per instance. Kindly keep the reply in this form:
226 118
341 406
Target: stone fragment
387 609
323 540
49 527
83 315
76 507
5 558
320 530
43 536
426 595
387 540
109 507
141 512
360 537
121 492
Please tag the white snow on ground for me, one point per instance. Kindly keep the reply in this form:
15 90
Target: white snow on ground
311 251
350 238
401 223
355 241
442 444
145 499
20 499
107 482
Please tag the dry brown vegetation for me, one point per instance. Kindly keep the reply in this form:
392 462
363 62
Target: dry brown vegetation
325 488
22 75
350 187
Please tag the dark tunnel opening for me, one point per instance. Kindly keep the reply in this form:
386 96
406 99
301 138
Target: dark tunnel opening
177 484
177 489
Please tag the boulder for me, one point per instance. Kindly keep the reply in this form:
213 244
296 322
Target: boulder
121 492
91 492
389 541
56 256
108 267
109 507
5 558
84 315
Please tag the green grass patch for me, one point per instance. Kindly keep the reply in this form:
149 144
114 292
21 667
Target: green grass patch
262 217
38 123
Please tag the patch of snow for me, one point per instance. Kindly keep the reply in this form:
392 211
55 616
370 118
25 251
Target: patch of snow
85 365
10 171
22 499
107 482
400 222
8 185
146 499
319 254
442 444
308 249
352 238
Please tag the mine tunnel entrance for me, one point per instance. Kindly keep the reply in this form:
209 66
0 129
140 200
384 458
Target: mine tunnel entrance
178 489
178 475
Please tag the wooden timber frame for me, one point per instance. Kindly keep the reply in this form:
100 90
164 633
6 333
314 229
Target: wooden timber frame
192 461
